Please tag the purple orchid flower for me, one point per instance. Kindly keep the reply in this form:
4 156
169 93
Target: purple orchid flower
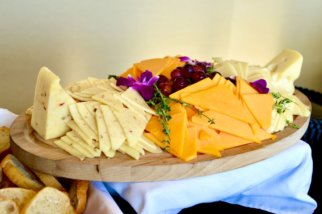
144 84
260 85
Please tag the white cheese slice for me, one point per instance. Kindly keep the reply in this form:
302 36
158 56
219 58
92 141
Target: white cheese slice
50 106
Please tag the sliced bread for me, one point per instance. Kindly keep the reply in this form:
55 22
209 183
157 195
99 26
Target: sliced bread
19 174
49 200
78 195
8 206
19 195
49 180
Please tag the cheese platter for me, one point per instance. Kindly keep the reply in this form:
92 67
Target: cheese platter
163 119
36 154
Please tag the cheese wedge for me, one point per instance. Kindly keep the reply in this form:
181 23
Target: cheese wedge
50 106
285 68
104 139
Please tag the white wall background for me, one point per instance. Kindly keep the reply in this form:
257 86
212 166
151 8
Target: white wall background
76 39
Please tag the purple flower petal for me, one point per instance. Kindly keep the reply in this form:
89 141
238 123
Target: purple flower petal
152 80
184 59
125 81
260 85
145 91
145 76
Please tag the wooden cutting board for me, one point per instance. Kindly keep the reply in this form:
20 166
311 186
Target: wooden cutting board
41 156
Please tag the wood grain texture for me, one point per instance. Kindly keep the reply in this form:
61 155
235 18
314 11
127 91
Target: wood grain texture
36 154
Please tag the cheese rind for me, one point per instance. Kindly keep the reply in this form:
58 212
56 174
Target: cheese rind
50 106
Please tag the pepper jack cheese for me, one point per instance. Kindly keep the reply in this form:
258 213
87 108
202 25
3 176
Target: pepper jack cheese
50 106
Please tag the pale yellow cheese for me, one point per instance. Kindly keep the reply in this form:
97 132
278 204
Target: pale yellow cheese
50 106
285 68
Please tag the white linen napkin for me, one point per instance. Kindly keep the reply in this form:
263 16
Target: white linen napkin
6 117
278 184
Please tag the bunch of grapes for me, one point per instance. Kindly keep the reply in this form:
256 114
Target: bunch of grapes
182 77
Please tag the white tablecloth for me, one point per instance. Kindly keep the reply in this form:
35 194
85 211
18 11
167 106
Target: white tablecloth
278 184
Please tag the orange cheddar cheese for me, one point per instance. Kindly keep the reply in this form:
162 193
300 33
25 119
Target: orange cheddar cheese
226 124
227 141
261 106
156 66
173 63
155 128
178 127
151 137
190 145
219 99
245 87
133 71
201 85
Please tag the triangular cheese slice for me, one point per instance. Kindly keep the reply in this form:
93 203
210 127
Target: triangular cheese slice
245 87
260 105
115 131
178 127
219 99
190 145
132 124
227 124
156 66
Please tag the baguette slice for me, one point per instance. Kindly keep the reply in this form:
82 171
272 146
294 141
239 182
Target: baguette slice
49 181
8 206
4 141
78 195
19 195
49 200
18 174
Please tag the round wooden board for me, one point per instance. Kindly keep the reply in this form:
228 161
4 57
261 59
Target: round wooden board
151 167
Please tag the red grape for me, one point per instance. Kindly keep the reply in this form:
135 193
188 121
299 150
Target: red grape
187 71
197 76
176 73
198 68
162 79
165 88
180 83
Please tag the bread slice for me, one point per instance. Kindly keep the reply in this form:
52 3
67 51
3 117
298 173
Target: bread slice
49 200
49 180
78 195
19 195
18 174
4 140
8 206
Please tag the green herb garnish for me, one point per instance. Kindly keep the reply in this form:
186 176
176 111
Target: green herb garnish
112 76
280 105
292 125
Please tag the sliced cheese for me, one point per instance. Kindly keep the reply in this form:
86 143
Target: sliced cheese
219 99
133 125
178 126
50 106
115 131
104 138
260 105
226 124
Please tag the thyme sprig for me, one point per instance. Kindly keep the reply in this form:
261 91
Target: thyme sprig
292 125
280 104
199 112
161 104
